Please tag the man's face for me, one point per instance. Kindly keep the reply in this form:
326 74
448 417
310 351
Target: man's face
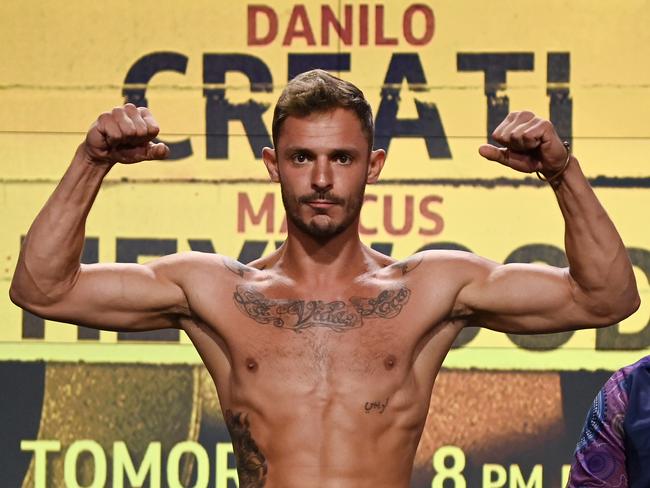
323 163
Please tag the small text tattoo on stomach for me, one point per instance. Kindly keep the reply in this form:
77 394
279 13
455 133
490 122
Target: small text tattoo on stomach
376 406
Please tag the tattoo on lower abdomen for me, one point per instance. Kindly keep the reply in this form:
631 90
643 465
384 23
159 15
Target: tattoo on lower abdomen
251 463
338 315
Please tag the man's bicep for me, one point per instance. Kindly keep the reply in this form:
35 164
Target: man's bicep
521 298
123 296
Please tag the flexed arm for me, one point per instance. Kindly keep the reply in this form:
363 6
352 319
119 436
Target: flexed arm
598 288
49 280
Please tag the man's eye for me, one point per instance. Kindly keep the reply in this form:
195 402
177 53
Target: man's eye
300 158
343 159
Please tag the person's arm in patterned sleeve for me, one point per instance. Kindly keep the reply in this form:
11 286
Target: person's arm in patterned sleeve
600 453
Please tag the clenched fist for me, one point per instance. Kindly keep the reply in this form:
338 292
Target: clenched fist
124 135
530 144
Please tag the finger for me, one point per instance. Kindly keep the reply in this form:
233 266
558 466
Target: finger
152 126
494 153
124 122
527 136
515 160
111 130
501 129
96 135
140 125
157 151
503 134
548 134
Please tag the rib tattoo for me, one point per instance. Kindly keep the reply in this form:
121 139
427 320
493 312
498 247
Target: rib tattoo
338 315
251 463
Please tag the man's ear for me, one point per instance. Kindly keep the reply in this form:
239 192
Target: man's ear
271 163
375 165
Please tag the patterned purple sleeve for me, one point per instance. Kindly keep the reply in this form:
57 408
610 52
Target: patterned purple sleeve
600 453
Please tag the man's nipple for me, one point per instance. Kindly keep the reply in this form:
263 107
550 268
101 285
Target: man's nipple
251 365
389 362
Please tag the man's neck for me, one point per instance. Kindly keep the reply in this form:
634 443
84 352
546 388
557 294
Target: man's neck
317 261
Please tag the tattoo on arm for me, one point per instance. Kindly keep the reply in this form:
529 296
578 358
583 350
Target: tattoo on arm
235 267
251 463
338 315
408 265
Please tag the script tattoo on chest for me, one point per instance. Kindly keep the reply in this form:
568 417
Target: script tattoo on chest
338 315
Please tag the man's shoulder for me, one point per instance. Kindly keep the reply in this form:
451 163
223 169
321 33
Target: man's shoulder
437 270
189 264
441 260
623 377
187 258
444 255
634 376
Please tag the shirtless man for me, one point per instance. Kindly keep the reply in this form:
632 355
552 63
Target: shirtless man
324 353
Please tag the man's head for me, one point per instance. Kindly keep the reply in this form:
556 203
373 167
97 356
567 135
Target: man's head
318 91
323 157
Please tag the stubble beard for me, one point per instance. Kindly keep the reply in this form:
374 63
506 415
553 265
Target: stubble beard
352 208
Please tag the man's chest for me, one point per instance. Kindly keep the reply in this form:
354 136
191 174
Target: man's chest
341 312
319 363
362 328
266 341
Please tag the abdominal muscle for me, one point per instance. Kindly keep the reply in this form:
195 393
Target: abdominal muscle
323 405
352 433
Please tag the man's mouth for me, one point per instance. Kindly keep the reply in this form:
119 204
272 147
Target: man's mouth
321 203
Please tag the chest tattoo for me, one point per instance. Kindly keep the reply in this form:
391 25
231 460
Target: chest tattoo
338 315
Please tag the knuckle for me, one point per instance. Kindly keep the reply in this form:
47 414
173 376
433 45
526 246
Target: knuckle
528 136
130 110
128 128
518 141
529 140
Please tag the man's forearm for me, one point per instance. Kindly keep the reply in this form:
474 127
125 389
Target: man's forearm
50 254
598 260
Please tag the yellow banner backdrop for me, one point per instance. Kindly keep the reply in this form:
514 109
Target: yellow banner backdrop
439 76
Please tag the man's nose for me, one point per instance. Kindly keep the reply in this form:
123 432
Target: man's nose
321 178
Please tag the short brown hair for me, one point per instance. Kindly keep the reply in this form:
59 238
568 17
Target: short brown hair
318 91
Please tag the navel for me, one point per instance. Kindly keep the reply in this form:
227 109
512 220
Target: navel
251 365
390 361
